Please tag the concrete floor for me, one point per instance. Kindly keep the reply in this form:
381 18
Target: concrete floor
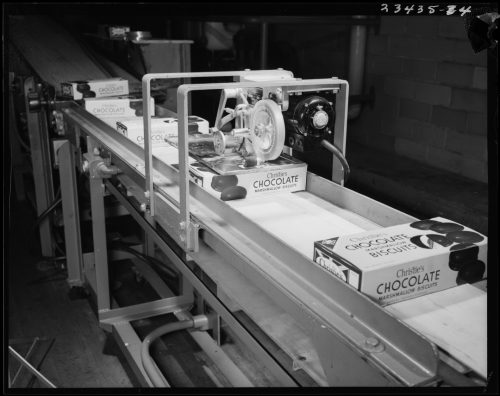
39 306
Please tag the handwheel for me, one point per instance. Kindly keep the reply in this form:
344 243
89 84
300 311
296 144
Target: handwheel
267 129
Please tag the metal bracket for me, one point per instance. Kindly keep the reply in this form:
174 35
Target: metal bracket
101 169
189 235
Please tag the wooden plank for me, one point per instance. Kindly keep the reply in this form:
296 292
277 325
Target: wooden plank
51 50
455 319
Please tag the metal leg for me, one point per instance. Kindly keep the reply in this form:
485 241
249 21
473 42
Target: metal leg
282 377
130 345
16 153
71 216
100 246
42 170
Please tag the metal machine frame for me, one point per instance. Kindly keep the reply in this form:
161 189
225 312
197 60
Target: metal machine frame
354 342
41 165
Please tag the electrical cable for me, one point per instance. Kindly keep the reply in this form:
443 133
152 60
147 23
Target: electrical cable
338 153
148 363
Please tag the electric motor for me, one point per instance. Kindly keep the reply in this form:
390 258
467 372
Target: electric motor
308 121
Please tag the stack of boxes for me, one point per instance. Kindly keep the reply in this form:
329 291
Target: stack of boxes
110 101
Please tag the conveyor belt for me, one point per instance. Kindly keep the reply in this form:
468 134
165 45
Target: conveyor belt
52 51
278 263
299 219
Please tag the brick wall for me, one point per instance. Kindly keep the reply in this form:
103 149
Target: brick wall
430 94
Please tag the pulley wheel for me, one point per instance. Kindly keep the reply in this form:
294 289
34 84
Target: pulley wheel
267 129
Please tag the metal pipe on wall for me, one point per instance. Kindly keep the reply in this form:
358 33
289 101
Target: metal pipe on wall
356 65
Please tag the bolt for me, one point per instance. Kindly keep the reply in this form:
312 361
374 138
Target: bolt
126 344
182 225
146 194
96 151
372 342
143 207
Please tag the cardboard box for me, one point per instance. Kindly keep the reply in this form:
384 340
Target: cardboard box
405 261
161 128
94 88
283 174
119 106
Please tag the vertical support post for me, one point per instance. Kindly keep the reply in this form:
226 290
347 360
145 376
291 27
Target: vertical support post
182 99
341 109
100 246
42 170
264 27
186 288
148 146
149 244
16 156
71 215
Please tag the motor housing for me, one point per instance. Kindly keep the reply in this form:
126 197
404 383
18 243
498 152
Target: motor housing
309 120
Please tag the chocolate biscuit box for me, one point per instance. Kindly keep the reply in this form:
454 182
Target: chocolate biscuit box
116 106
162 128
227 178
94 88
406 261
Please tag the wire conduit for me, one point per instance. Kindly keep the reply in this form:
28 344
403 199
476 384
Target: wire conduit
152 370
